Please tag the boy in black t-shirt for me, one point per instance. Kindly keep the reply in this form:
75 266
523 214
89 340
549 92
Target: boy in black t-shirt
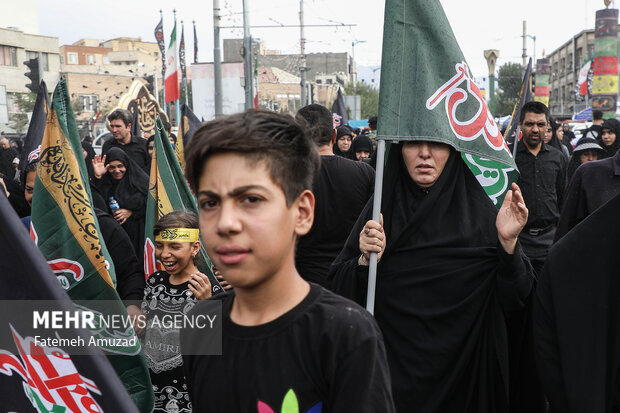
288 346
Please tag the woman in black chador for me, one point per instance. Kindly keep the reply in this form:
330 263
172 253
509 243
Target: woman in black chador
450 272
118 176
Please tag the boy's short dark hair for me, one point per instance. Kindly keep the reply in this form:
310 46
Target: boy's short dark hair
318 122
259 135
534 107
121 114
597 114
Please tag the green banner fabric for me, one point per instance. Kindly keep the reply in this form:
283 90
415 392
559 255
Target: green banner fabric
66 231
428 93
169 191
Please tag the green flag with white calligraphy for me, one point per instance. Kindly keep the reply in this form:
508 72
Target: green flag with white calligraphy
428 93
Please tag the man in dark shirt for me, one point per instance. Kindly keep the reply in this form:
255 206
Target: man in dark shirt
134 146
341 189
542 181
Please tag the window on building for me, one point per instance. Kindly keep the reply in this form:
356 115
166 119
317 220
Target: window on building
8 56
89 103
91 59
106 60
578 57
555 71
590 51
562 66
72 58
43 56
569 63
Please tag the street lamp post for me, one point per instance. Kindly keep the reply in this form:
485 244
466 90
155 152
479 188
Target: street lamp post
534 55
353 58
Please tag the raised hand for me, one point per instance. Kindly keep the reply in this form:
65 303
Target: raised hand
99 166
511 218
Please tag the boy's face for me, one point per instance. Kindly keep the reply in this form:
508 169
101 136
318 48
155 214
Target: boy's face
248 229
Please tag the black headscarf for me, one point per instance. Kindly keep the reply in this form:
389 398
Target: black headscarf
613 125
130 191
555 141
340 132
575 159
361 143
438 294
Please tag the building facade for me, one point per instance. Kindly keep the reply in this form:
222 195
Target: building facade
565 64
17 47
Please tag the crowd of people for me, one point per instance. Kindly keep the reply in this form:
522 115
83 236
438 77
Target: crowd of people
474 306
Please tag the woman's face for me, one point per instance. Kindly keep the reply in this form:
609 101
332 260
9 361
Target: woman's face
560 134
608 136
344 143
588 155
116 169
425 161
548 134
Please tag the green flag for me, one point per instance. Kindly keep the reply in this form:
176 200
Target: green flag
67 233
428 93
169 191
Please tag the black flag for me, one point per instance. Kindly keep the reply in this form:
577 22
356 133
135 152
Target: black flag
188 125
195 44
159 36
339 111
37 377
182 56
34 136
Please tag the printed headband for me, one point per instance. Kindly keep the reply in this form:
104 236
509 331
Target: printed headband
178 235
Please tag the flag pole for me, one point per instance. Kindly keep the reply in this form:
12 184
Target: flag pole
376 216
163 69
174 11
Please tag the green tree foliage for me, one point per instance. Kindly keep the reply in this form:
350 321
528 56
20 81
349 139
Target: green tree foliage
509 78
369 97
25 103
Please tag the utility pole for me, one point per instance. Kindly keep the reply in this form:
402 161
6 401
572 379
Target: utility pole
247 58
524 55
302 69
217 59
354 64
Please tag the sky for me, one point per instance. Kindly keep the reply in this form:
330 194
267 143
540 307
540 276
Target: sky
477 24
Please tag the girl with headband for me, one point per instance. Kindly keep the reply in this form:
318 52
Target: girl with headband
169 292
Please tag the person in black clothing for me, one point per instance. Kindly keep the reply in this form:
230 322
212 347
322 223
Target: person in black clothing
542 179
569 136
587 150
591 187
341 191
285 342
361 147
608 139
577 316
7 154
116 175
343 142
594 131
450 269
130 281
134 146
551 138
